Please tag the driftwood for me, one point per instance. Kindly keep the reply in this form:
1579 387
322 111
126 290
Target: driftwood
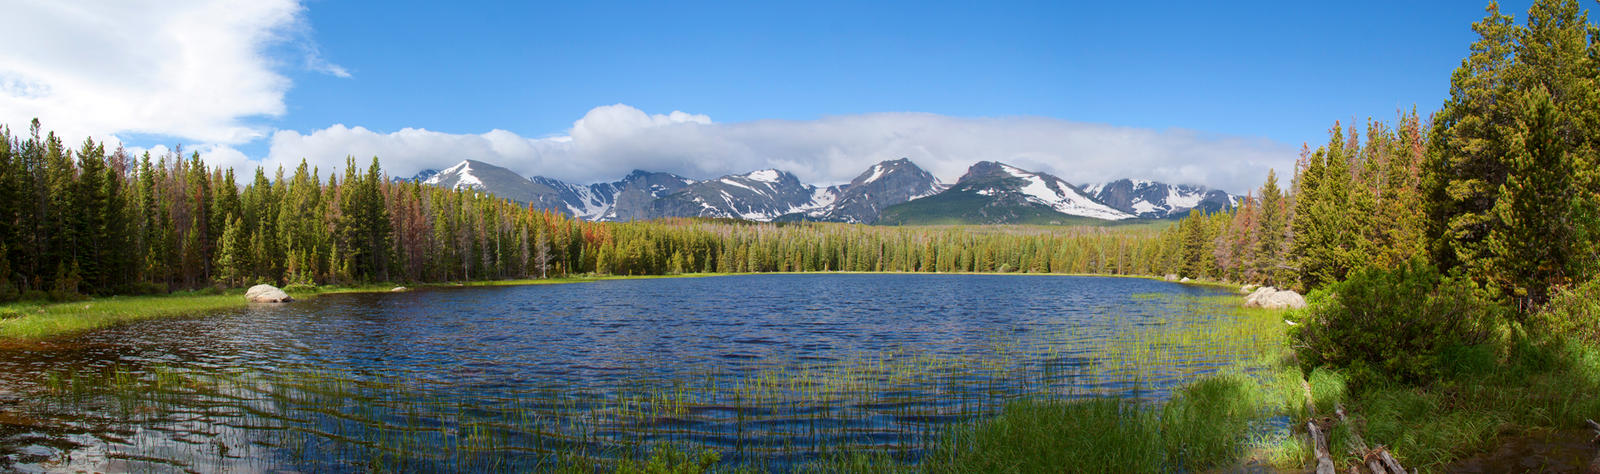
1358 445
1596 428
1389 462
1379 461
1319 441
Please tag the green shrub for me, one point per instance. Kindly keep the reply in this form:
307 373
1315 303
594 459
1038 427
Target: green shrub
146 288
1574 312
34 295
1395 324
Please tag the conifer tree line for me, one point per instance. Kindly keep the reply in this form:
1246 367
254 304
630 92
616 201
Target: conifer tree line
1502 187
86 221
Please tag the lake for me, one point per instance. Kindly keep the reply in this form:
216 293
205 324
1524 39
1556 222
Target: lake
768 370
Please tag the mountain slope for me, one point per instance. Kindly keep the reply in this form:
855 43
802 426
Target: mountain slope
1153 200
884 184
997 193
635 194
473 174
758 196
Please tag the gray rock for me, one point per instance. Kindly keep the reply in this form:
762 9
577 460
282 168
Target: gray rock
1170 277
1268 297
266 294
1185 280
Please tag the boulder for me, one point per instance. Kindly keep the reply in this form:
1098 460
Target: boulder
1268 297
1185 280
1253 300
1170 277
399 289
266 294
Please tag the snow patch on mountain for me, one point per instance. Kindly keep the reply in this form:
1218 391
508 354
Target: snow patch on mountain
766 176
1156 200
1062 196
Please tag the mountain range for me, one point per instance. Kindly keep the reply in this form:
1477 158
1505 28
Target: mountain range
889 192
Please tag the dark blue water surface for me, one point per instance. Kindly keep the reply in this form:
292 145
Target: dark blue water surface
768 370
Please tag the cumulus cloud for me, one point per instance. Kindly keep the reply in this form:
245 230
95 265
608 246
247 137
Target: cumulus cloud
609 141
198 70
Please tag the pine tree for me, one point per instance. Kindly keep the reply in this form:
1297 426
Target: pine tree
1464 168
90 208
233 253
1271 229
1323 239
121 250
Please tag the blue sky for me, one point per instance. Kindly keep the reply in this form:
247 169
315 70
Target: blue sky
1284 70
1252 80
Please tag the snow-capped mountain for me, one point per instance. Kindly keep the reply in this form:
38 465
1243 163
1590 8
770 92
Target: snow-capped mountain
627 199
884 184
890 192
633 196
1009 183
997 193
761 195
473 174
1153 200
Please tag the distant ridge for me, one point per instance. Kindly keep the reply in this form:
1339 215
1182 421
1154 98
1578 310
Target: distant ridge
889 192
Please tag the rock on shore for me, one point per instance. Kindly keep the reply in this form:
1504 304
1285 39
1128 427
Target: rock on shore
266 294
1272 298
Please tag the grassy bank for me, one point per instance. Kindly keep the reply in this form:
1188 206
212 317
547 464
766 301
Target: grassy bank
1539 390
25 321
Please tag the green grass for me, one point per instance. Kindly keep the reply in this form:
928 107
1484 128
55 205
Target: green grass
1206 425
1538 389
37 321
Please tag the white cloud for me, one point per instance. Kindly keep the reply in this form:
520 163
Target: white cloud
198 70
611 140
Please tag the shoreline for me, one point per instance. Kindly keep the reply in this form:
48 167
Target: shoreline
32 322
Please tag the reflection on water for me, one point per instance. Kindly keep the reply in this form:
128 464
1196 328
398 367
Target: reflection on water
767 370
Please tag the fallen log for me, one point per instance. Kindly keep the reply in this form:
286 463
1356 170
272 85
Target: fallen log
1389 461
1319 444
1378 461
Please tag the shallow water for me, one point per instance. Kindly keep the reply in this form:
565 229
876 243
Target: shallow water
768 370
